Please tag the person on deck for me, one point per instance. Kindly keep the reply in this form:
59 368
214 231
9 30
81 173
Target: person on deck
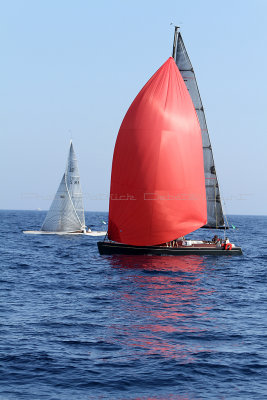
215 239
180 241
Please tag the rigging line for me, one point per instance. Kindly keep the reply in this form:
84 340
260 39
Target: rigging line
106 236
72 202
224 213
234 232
227 222
215 205
65 178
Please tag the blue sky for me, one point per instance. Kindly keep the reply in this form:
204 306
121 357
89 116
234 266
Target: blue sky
70 69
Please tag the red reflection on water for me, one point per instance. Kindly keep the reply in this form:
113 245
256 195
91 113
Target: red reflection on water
192 263
167 397
162 299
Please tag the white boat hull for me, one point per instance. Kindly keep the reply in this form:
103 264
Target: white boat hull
93 233
96 233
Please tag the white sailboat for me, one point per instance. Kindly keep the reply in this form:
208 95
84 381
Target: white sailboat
66 213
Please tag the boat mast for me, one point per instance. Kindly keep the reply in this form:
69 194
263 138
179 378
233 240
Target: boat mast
175 39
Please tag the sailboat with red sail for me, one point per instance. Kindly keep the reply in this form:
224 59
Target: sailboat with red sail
157 192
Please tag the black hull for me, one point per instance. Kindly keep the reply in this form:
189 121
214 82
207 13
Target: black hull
107 248
214 227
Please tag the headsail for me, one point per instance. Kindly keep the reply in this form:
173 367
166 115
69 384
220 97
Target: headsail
157 191
66 213
214 206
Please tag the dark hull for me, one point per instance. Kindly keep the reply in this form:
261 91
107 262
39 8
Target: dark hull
106 248
214 227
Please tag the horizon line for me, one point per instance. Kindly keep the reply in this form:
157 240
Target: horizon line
37 209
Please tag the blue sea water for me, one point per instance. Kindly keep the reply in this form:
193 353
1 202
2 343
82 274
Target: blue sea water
77 325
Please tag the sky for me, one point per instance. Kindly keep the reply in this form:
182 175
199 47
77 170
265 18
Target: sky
71 68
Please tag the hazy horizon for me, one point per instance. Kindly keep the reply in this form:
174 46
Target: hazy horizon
106 211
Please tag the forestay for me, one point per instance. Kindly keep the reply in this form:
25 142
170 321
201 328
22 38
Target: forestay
66 213
214 206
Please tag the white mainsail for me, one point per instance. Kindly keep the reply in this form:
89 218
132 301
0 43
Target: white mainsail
66 213
214 206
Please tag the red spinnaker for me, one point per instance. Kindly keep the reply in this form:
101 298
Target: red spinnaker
157 191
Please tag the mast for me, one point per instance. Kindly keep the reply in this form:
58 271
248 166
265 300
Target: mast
174 49
214 207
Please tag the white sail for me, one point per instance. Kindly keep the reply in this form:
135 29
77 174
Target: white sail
66 213
214 206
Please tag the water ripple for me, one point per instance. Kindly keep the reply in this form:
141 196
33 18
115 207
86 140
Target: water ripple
78 325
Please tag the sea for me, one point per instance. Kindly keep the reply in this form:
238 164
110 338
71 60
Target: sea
77 325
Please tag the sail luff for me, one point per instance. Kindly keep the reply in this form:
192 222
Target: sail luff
214 206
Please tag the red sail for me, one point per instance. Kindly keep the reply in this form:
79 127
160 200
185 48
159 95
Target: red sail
157 189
